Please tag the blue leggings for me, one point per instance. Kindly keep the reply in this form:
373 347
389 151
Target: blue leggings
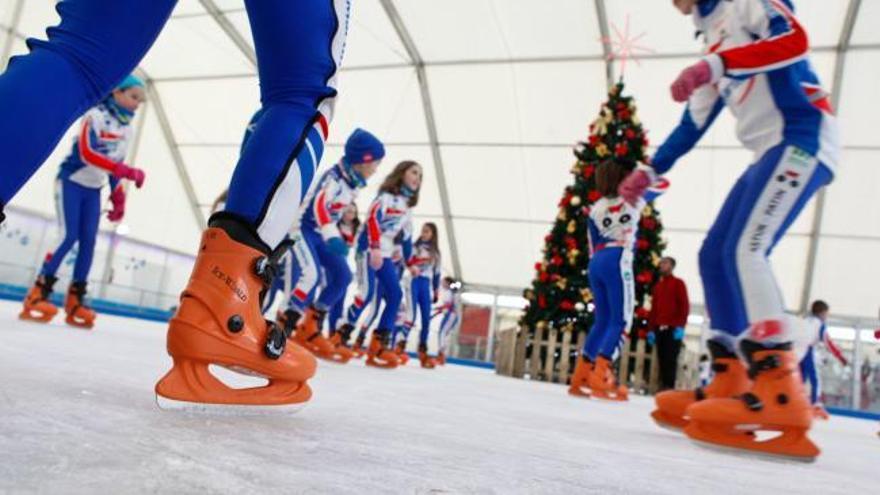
335 313
611 282
79 210
366 294
811 375
313 253
738 282
388 282
299 46
421 303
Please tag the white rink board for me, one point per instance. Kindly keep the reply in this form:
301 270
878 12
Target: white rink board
77 415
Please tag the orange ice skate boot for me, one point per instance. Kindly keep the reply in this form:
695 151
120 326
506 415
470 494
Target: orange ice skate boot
378 353
775 403
425 360
731 379
219 322
358 349
819 412
400 352
341 352
37 306
602 382
308 334
441 358
580 380
78 314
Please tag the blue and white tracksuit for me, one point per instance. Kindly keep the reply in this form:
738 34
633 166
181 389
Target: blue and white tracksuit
389 216
425 283
102 142
299 46
814 335
323 209
449 308
348 235
758 52
613 226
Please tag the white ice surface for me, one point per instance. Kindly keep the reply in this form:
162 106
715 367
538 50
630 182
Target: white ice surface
77 415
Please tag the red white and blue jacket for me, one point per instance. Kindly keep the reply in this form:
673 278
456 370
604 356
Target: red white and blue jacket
102 143
389 216
327 201
426 262
758 52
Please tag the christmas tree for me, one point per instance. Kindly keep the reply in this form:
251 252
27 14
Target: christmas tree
560 295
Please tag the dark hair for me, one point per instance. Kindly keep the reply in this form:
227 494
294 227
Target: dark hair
434 242
671 260
818 306
609 175
356 223
449 280
394 181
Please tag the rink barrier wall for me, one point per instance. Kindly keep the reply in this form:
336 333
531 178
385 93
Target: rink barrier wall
103 306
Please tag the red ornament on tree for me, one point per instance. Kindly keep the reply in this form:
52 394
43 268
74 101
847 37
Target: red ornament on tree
630 134
570 242
621 149
566 305
643 244
539 267
542 301
594 140
543 277
648 223
556 260
645 277
594 196
589 170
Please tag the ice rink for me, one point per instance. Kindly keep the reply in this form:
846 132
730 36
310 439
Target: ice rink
77 415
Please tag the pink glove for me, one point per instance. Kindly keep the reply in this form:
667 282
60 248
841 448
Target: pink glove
690 79
137 175
376 258
634 185
117 198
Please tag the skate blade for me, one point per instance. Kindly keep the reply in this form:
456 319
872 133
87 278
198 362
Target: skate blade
743 444
579 394
85 325
167 404
665 422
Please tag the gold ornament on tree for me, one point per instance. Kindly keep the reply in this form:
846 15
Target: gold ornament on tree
586 295
572 227
562 283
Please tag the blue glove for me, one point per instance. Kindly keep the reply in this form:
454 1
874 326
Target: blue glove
337 246
652 338
678 333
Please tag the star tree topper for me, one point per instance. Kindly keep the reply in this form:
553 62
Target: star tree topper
624 46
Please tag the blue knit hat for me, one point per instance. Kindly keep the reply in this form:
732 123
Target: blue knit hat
130 81
363 147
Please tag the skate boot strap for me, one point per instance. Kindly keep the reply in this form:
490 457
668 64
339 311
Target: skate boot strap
720 367
752 401
766 364
699 394
268 267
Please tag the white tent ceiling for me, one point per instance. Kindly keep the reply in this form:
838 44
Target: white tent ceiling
490 95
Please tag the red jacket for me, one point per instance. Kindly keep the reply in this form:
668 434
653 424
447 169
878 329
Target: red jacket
669 303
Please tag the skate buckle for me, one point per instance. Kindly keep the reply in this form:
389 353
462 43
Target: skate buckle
766 364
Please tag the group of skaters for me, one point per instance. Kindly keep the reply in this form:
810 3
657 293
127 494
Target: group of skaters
756 63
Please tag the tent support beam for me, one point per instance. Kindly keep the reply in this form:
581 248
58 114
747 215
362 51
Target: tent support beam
836 89
229 29
602 16
176 157
11 33
428 107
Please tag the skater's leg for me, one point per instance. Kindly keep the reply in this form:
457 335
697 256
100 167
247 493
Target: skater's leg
601 313
299 49
620 293
366 290
94 47
305 257
810 375
90 215
338 277
68 200
391 294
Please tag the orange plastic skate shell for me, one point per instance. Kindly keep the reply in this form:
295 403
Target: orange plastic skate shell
777 403
341 352
580 380
441 359
357 349
219 322
380 356
35 308
308 334
602 383
77 314
672 404
426 361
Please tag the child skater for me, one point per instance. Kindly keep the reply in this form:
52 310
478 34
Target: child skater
425 284
389 215
816 334
757 64
402 323
613 227
449 308
323 252
98 154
